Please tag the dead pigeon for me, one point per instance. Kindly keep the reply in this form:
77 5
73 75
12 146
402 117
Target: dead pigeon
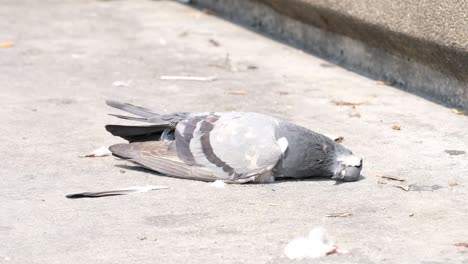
235 147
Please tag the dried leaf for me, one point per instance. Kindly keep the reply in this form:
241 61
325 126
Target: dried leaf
7 44
239 92
461 244
391 177
214 42
396 127
339 139
346 214
403 187
459 112
345 103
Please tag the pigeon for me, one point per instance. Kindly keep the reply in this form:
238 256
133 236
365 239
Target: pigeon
234 147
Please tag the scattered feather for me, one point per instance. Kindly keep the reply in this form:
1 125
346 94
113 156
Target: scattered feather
315 245
7 44
396 127
188 78
346 214
130 190
100 152
218 184
239 92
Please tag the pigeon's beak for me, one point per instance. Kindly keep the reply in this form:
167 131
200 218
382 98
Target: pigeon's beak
348 174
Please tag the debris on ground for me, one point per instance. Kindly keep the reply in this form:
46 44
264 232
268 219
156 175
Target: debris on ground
121 83
354 113
396 127
461 244
183 34
218 184
391 177
459 112
187 78
130 190
214 42
122 172
345 214
100 152
452 183
354 104
405 188
339 139
237 92
315 245
327 65
283 93
384 83
7 44
252 67
454 152
411 215
425 188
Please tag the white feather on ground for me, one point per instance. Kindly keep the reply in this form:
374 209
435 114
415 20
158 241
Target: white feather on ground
316 245
100 152
129 190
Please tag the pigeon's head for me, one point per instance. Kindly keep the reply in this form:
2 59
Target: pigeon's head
348 167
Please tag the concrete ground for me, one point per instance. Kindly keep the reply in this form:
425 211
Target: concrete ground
72 55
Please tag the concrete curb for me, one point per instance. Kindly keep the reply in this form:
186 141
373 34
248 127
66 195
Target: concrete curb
422 66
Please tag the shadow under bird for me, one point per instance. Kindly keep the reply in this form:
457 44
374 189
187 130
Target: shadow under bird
235 147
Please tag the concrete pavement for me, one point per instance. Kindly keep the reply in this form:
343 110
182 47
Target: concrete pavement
72 55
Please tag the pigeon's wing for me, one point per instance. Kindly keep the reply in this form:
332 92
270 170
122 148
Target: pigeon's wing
233 146
161 156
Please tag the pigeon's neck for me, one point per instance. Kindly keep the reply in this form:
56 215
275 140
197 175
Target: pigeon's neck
308 153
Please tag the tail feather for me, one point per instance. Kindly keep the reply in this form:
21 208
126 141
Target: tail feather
136 110
146 115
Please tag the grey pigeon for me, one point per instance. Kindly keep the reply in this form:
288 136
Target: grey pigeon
234 147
